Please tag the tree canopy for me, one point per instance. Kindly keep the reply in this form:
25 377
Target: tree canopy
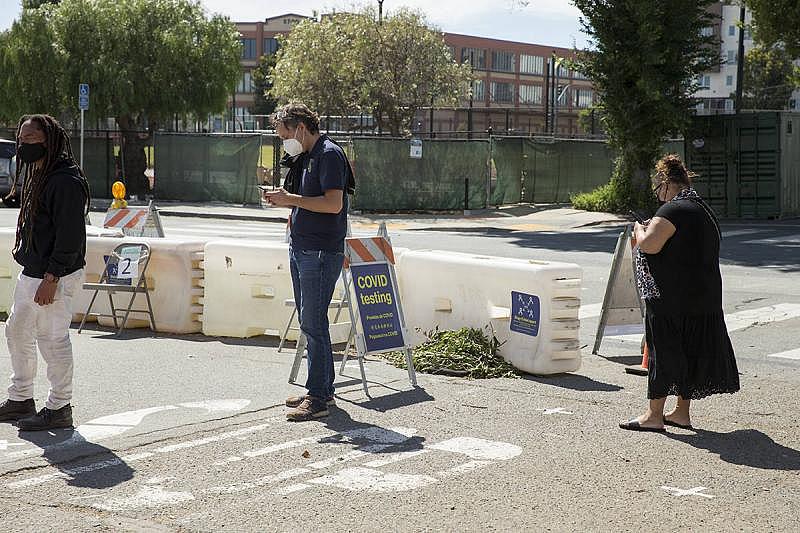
350 63
777 21
145 61
769 78
644 61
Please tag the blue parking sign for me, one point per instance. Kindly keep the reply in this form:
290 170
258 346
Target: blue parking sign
83 96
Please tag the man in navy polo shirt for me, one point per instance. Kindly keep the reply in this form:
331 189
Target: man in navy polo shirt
316 250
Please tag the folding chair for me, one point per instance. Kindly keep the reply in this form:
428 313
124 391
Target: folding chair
125 271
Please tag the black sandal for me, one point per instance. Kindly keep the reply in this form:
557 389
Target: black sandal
633 425
677 425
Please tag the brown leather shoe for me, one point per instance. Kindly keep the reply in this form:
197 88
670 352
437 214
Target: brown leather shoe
295 401
309 409
12 410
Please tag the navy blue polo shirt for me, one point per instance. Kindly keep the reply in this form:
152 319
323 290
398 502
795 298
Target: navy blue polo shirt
324 170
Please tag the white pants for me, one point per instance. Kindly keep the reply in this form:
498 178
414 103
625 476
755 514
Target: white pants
30 324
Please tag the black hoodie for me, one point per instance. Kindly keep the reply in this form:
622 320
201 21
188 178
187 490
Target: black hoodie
58 241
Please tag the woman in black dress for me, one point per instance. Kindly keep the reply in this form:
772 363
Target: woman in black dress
677 271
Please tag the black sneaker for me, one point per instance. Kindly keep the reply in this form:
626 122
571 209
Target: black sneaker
47 419
308 409
12 410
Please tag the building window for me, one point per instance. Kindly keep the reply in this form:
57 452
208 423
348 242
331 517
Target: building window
747 34
579 75
531 64
731 57
708 31
503 61
584 98
530 94
728 80
270 46
704 82
452 51
478 90
475 56
728 104
248 48
245 84
502 93
731 30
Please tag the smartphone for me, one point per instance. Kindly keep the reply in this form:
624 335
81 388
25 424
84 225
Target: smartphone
636 216
266 188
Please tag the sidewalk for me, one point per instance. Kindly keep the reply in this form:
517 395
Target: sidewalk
524 217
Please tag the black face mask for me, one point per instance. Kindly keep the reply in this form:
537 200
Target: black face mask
31 153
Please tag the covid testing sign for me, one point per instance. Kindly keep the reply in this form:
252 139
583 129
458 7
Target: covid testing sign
525 313
377 307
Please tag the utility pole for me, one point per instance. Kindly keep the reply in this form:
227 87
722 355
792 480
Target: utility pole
380 11
740 62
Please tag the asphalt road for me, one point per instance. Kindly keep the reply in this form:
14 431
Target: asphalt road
187 432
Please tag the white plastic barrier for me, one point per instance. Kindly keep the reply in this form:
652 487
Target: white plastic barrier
247 284
174 275
9 269
453 290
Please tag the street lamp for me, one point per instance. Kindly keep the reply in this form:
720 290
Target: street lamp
380 11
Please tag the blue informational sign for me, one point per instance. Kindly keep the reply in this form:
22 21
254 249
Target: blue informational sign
83 96
377 307
525 313
113 272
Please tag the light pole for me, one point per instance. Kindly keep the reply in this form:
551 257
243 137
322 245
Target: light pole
380 11
471 96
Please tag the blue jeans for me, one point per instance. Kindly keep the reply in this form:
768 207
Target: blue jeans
314 275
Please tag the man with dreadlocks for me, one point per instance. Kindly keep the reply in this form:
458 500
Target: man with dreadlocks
51 248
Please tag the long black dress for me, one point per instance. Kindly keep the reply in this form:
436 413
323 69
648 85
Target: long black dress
690 350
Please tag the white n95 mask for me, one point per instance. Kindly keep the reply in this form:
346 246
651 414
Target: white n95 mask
293 147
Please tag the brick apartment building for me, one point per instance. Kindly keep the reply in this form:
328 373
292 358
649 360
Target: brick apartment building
511 91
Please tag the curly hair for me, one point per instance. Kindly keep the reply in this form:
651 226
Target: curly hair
35 177
294 113
671 167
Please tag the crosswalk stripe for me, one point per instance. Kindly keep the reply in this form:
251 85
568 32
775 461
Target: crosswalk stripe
791 354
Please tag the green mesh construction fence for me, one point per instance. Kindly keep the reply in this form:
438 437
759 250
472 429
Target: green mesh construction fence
98 163
554 171
389 179
207 168
508 170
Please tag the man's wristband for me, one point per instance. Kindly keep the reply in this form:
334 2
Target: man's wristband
51 278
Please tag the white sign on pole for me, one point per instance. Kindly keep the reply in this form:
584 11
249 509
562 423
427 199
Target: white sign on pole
416 149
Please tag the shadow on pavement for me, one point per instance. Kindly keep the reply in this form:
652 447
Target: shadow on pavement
64 447
574 382
369 437
746 447
394 400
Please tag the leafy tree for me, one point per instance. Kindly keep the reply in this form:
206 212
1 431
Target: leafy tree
349 63
769 78
262 80
145 61
777 21
644 63
34 4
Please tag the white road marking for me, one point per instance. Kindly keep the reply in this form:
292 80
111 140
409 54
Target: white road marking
148 496
479 448
282 446
349 456
791 354
217 406
258 482
65 474
4 444
394 458
555 411
696 491
791 240
109 426
469 466
214 438
367 479
290 489
739 232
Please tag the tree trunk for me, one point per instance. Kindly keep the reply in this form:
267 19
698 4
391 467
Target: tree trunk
134 159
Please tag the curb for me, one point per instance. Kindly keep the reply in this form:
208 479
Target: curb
220 216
